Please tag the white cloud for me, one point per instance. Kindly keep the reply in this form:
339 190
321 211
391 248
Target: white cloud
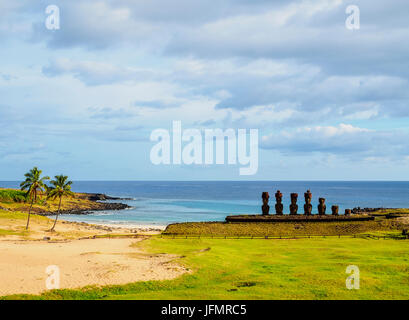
98 73
341 140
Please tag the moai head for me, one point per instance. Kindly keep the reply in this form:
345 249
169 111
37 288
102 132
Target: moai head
321 207
265 208
279 196
308 197
279 206
293 205
347 212
265 196
334 210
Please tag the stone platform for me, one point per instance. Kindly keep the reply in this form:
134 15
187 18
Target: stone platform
297 218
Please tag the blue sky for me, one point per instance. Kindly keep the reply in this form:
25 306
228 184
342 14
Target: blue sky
329 103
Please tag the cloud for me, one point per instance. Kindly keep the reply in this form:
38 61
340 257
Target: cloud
310 32
256 52
289 68
94 25
110 113
96 73
247 83
342 140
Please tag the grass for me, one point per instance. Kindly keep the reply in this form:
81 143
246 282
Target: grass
384 212
278 229
11 195
7 232
16 200
12 223
6 216
267 269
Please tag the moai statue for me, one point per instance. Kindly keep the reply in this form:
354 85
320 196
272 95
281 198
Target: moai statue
308 205
347 212
335 210
322 206
279 205
265 208
293 205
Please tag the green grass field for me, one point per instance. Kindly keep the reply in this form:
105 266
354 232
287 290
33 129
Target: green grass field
268 269
284 229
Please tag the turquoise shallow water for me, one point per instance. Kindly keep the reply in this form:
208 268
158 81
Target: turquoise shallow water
164 202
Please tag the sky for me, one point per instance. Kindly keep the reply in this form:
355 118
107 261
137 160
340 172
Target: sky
330 103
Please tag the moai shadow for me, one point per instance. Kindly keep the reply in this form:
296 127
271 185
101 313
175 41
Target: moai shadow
308 205
279 205
293 205
322 207
335 210
265 208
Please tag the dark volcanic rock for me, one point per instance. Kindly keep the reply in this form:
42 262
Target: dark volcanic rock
297 218
99 197
360 210
100 206
97 204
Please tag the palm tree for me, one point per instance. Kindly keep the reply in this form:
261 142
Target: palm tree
33 183
60 187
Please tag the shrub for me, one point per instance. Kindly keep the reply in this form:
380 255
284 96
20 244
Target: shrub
9 195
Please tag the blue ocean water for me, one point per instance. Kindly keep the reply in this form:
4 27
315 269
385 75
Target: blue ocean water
163 202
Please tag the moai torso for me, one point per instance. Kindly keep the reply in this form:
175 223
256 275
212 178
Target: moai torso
322 206
335 210
279 206
308 205
265 208
293 205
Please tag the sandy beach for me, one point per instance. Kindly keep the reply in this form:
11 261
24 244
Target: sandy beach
113 258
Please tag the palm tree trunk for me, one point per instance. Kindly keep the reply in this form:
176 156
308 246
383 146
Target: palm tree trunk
56 217
29 212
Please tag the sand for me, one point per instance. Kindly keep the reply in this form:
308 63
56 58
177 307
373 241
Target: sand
81 261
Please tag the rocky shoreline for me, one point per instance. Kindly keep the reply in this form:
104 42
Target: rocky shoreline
359 210
97 204
99 197
99 207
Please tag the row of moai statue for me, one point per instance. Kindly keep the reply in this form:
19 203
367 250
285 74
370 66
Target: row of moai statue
322 207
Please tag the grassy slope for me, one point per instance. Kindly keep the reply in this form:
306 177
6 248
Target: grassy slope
284 229
388 211
14 200
14 223
269 269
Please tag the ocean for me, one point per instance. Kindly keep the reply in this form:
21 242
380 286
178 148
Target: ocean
158 203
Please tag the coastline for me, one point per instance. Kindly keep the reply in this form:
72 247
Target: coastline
79 203
96 203
120 226
104 254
